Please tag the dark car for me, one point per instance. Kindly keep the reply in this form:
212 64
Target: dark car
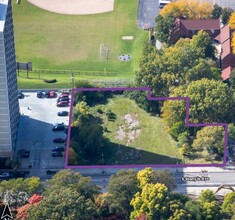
62 104
58 140
58 149
22 153
20 94
18 174
47 94
63 113
39 94
58 127
57 154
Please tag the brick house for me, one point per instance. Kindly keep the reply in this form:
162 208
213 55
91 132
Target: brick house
227 57
186 28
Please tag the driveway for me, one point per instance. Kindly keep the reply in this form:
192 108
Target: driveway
35 131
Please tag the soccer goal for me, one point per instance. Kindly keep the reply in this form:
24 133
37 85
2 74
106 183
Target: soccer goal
104 51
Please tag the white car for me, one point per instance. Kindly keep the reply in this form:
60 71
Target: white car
4 175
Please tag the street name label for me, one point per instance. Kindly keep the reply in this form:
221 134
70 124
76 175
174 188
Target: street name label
195 178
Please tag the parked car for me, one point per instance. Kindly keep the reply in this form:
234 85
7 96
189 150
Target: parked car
4 175
57 154
39 94
58 140
58 127
52 94
63 99
63 113
20 94
58 149
62 104
47 94
22 153
63 95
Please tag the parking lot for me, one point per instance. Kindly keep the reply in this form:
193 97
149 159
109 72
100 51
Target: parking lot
35 131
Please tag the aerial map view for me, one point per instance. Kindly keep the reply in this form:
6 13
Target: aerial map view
117 109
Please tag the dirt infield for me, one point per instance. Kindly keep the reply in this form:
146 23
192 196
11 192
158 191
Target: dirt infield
75 7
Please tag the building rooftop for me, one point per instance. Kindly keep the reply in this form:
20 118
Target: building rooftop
201 24
3 12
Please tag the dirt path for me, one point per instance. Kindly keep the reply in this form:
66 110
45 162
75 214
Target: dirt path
72 7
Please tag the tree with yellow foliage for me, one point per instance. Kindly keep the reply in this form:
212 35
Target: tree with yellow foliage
231 21
190 9
233 43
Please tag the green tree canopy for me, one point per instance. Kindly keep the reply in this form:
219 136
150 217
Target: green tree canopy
73 180
226 13
210 101
122 187
152 200
63 203
229 204
212 137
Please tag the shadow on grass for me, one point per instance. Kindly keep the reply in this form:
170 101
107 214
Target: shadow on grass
118 154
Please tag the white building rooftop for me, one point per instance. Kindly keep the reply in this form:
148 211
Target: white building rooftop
3 12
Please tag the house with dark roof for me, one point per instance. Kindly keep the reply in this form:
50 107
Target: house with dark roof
186 28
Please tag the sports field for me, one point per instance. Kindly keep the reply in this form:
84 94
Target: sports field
72 42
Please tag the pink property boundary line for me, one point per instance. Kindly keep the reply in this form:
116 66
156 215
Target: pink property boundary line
149 97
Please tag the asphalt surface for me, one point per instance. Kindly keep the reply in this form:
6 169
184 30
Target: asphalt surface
147 12
35 131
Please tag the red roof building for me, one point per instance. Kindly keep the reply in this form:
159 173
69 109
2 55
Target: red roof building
186 28
227 57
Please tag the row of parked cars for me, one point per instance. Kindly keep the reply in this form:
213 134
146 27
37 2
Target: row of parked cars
46 94
63 100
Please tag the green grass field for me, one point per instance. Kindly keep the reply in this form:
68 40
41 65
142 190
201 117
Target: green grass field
152 146
54 41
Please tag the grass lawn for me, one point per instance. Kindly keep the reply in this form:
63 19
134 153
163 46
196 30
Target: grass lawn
152 146
72 42
136 137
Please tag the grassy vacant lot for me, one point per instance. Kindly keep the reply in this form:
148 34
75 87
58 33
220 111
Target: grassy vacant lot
142 141
154 144
54 41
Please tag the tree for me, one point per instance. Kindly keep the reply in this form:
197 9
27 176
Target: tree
17 191
231 21
201 42
206 195
210 101
188 9
210 208
152 200
211 211
233 47
163 28
229 204
180 64
63 203
212 137
74 180
73 157
226 13
194 208
122 187
217 11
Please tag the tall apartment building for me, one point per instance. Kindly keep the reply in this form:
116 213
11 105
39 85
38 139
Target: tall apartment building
9 104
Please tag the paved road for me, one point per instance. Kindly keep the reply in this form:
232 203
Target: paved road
147 12
222 3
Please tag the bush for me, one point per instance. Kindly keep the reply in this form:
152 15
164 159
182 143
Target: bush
50 80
